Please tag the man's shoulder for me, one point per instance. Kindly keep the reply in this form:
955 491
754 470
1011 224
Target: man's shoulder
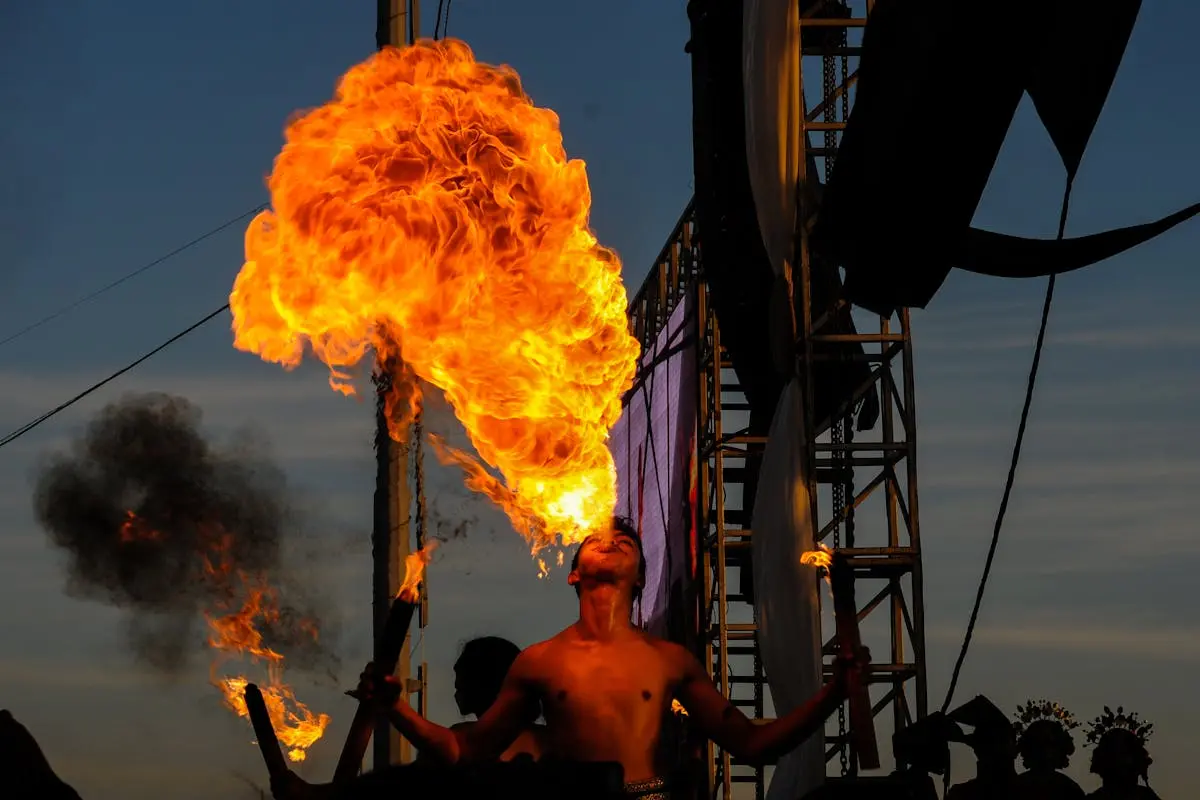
667 648
676 658
535 656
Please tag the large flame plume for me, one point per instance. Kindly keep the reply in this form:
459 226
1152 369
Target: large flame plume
429 215
159 523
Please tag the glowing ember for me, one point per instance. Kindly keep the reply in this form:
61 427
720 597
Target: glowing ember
132 530
677 709
414 570
429 213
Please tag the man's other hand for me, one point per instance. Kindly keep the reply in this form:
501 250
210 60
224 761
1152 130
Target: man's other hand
848 665
376 689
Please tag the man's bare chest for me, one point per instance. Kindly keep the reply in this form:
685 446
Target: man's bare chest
621 680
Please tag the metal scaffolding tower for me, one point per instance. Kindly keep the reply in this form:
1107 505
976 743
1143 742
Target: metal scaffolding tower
877 524
884 545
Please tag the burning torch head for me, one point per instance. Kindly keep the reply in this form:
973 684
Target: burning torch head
613 556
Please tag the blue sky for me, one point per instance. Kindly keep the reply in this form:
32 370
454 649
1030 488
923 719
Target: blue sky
133 127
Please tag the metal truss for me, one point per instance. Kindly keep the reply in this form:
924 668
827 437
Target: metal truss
877 524
721 610
863 484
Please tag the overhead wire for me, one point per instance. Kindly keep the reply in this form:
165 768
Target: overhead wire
130 275
439 30
1012 467
441 21
29 426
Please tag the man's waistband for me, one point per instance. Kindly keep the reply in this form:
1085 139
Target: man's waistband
653 789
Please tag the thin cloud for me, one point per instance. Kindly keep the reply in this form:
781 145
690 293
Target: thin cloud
1113 641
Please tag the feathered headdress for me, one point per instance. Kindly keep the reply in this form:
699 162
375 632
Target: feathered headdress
1120 720
1037 710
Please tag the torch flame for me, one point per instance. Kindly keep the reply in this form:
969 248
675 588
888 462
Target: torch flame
414 570
235 633
429 213
821 558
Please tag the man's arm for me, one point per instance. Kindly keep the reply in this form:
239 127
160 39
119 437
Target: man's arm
488 738
722 722
428 757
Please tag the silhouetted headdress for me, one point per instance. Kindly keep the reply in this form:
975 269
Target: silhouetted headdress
1109 721
1038 710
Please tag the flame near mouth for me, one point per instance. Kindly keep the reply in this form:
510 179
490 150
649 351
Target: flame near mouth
429 214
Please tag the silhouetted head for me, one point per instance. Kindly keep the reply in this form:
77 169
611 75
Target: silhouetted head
1121 757
925 745
480 671
992 738
613 556
1046 745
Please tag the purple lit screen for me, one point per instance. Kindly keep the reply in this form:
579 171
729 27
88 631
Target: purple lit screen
652 447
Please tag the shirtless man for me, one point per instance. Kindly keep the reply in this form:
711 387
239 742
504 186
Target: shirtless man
606 687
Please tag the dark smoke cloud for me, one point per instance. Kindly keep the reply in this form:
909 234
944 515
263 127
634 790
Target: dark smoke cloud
194 506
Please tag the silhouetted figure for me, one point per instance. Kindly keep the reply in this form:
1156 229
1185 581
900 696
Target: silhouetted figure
1120 757
994 743
1046 746
26 774
924 750
478 675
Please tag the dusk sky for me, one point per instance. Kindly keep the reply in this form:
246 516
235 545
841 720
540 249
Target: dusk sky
131 128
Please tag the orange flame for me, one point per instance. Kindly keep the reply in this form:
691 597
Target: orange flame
133 530
430 213
821 558
414 570
234 634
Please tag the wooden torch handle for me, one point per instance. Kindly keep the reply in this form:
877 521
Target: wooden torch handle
264 731
862 722
390 645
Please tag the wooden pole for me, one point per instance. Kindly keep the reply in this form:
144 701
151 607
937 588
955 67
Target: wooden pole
397 23
390 546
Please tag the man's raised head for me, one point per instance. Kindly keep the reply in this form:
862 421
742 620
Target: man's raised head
613 556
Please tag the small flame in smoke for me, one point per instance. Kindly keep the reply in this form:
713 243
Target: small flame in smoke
429 214
132 530
677 709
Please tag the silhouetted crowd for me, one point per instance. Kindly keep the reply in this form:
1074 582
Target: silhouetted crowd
1042 737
